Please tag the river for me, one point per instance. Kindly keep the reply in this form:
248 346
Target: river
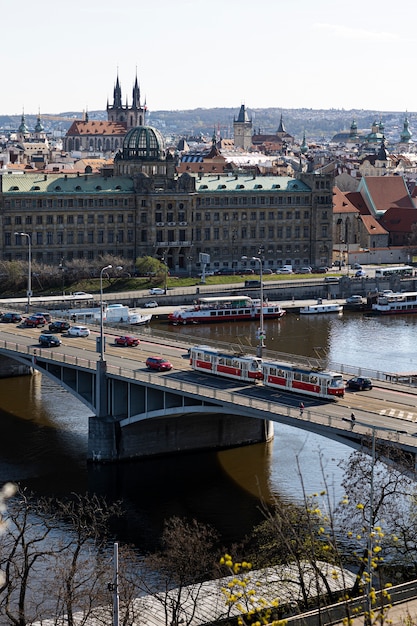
44 436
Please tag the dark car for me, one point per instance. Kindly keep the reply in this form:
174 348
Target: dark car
33 321
49 341
158 363
126 340
358 383
13 318
59 326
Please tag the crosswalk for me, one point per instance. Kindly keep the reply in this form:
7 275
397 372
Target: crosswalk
398 414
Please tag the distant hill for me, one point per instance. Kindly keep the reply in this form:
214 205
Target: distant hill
318 125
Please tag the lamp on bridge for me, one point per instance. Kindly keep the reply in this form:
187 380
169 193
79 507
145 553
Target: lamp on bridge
29 291
108 267
261 330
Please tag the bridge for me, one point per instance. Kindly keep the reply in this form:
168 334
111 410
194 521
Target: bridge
137 413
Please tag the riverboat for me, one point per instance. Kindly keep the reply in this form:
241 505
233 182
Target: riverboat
397 303
314 309
226 309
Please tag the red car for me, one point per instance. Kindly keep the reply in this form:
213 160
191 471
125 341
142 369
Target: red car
126 340
34 321
158 363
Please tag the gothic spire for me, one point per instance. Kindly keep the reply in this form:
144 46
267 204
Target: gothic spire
136 94
117 94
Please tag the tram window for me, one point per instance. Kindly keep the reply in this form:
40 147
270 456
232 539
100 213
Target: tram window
281 373
297 376
221 361
314 379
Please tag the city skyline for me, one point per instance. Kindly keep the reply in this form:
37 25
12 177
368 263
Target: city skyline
59 57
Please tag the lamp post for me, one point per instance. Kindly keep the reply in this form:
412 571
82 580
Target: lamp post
261 331
29 291
108 267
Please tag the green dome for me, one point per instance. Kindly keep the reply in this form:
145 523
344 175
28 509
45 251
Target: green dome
144 143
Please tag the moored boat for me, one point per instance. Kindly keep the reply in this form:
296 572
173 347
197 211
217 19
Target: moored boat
313 309
226 309
395 303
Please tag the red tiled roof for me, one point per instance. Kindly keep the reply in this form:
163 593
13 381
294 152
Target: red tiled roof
399 220
96 127
341 202
387 191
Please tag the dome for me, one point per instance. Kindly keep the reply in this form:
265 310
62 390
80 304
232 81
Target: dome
144 143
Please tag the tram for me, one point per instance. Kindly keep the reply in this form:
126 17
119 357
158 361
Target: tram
279 375
210 360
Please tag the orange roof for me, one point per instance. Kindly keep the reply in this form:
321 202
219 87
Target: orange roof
386 192
95 127
342 203
399 220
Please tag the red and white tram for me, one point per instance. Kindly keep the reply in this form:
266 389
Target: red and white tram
303 380
284 376
210 360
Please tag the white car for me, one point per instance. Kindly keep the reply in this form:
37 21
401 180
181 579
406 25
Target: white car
156 291
152 304
82 294
78 331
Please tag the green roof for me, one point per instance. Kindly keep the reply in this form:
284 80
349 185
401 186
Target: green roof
64 183
249 183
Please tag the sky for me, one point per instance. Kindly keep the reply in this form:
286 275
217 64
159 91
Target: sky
62 56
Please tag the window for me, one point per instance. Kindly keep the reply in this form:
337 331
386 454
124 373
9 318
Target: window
49 219
70 219
207 234
28 219
110 219
70 237
7 239
39 219
90 219
39 239
49 237
90 236
110 237
100 236
60 237
100 219
59 219
80 238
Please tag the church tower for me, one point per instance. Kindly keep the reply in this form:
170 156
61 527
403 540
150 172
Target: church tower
242 130
132 116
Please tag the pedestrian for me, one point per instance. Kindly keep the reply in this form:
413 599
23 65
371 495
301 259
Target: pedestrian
352 419
301 409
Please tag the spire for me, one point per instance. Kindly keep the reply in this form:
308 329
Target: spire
281 128
23 128
304 147
117 94
136 93
39 127
406 134
243 116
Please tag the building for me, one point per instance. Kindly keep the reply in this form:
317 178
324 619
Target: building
143 207
107 136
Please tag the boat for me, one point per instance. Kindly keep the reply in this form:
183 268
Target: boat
226 309
314 309
395 303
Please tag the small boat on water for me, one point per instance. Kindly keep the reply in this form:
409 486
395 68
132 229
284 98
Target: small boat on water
226 309
314 309
397 303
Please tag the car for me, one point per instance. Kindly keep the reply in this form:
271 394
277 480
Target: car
156 291
11 318
356 266
78 331
331 279
321 270
49 341
152 304
358 383
33 321
354 300
126 340
247 271
46 315
267 271
158 363
360 274
59 326
82 294
304 270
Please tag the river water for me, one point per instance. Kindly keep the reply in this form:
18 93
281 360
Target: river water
43 439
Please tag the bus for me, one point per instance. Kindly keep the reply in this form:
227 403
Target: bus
404 271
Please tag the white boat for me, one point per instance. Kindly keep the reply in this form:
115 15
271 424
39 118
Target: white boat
138 319
395 303
226 309
314 309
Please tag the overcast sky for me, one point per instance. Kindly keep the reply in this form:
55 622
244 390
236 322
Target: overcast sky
320 54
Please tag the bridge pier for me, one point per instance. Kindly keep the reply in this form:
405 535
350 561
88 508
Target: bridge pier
10 368
110 440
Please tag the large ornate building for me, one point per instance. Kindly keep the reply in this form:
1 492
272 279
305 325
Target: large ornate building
100 136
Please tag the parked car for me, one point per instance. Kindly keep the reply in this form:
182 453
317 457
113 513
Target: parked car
82 294
304 270
152 304
11 318
356 266
126 340
78 331
158 363
156 291
59 326
358 383
46 315
49 341
33 321
354 300
360 274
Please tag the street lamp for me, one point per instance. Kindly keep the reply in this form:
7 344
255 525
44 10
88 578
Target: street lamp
261 331
108 267
29 291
